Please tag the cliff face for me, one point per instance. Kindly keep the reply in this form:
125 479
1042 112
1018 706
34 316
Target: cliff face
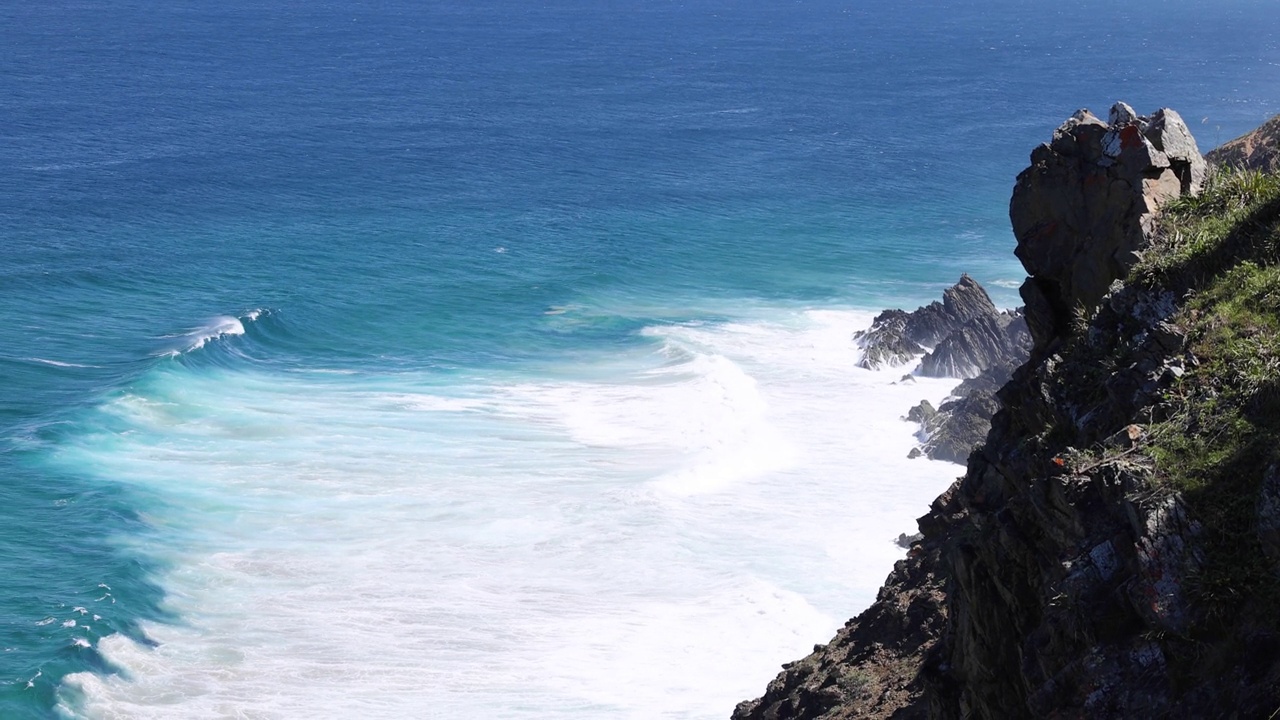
1256 150
1113 549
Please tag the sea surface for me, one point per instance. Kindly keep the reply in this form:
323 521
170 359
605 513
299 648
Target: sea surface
493 359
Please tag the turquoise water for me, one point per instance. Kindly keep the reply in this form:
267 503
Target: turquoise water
398 359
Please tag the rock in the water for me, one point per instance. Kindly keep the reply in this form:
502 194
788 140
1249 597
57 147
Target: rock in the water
1085 207
904 540
922 413
887 342
962 422
895 336
982 342
1257 150
971 339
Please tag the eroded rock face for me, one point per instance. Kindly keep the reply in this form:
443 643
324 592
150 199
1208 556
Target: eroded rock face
896 337
983 342
1256 150
1086 205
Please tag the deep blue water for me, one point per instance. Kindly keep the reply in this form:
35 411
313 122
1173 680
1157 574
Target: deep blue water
443 197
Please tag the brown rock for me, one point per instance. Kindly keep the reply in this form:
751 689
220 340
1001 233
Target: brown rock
1256 150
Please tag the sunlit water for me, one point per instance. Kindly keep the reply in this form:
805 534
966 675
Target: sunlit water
401 360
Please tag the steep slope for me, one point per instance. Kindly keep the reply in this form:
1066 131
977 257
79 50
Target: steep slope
1258 149
1113 549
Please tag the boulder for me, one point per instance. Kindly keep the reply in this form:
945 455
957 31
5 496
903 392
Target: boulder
1087 204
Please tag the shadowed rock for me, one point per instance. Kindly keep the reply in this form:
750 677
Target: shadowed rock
1085 207
896 337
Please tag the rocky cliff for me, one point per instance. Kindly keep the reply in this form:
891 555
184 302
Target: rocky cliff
1256 150
1113 549
897 337
963 336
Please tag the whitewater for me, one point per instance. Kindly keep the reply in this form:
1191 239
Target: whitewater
644 541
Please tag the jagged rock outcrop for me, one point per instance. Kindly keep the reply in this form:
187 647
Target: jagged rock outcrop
984 341
896 337
971 340
1080 569
1256 150
1085 207
962 421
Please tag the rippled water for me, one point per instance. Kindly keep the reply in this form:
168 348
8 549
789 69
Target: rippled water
406 360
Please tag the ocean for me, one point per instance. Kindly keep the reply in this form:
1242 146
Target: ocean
398 359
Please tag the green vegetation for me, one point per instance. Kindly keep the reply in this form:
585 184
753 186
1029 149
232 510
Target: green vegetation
1202 236
1220 426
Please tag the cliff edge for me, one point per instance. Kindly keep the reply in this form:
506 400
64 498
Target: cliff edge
1113 549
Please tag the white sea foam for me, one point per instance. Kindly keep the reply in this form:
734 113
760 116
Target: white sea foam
58 363
651 542
217 327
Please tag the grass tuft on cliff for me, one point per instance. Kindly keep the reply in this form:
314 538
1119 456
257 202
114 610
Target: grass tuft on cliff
1219 430
1200 237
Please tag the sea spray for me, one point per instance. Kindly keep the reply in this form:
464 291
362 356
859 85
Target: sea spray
380 543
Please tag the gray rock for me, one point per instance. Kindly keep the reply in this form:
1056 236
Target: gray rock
886 342
1170 135
905 541
984 341
963 422
896 337
1167 553
1087 204
923 413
